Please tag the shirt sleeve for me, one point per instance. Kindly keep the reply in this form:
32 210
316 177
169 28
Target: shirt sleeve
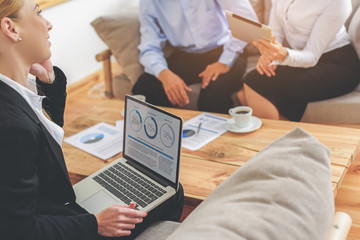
54 103
324 31
152 41
234 46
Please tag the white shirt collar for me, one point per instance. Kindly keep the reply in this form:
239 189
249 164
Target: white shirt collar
35 102
30 96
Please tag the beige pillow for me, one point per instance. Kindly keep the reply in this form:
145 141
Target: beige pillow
121 34
284 192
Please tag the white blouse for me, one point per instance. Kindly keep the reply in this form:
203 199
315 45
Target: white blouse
311 27
35 102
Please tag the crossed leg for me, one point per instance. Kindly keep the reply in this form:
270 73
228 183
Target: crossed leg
262 107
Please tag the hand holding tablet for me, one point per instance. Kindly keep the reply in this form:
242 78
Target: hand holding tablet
247 30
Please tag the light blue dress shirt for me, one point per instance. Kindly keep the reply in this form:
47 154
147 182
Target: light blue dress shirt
195 26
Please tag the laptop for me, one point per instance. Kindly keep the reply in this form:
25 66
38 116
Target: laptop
148 172
247 30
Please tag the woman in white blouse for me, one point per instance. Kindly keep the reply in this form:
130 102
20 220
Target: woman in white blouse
319 63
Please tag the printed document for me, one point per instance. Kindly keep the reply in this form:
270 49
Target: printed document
202 129
101 140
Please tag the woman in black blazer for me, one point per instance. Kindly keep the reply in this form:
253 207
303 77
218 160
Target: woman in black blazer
36 197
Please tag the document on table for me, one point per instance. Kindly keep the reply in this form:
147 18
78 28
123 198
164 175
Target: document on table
101 140
119 124
202 129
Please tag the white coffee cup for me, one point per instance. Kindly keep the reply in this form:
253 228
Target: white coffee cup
242 116
139 97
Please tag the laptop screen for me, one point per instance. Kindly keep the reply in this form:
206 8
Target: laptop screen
152 138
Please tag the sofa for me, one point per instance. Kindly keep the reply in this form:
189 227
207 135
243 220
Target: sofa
121 34
283 192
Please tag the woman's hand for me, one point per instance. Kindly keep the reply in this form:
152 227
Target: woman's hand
263 66
118 220
273 50
212 72
43 71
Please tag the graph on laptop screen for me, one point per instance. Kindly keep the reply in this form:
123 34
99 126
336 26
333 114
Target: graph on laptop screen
152 138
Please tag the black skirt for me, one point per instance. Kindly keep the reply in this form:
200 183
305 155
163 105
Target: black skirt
336 73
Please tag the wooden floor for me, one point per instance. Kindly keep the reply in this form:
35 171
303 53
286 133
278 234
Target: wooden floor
84 93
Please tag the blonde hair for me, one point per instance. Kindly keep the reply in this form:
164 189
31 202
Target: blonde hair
10 8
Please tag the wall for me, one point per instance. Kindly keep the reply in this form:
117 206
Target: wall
74 43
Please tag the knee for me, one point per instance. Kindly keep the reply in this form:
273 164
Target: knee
180 195
175 206
179 199
145 82
241 97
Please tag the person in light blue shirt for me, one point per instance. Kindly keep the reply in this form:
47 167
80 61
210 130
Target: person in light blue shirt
205 52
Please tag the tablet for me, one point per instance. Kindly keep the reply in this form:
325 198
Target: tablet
247 30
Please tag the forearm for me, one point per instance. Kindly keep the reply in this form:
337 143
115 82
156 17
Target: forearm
44 227
81 227
298 58
54 103
153 61
25 212
231 52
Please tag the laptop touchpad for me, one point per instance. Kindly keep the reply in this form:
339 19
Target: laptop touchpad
98 202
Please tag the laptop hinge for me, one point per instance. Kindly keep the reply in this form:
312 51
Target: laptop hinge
148 173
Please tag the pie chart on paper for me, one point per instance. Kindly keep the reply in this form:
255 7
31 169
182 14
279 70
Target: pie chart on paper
188 133
91 138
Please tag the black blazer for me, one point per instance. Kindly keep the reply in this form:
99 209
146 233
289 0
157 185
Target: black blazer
37 200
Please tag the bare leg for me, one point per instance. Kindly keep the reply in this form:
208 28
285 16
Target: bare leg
262 107
241 96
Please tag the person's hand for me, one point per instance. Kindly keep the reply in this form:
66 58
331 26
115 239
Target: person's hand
273 50
43 71
212 72
263 66
117 220
175 88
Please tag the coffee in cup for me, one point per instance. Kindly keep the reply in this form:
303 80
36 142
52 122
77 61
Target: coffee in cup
242 112
242 116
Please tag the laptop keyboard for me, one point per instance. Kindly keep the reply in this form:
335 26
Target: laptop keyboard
128 185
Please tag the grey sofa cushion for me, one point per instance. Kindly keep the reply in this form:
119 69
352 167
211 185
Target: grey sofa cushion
341 109
158 230
284 192
121 86
121 33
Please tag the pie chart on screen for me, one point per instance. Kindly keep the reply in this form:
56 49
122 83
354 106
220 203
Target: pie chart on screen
91 138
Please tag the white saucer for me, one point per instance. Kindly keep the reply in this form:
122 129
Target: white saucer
123 112
254 125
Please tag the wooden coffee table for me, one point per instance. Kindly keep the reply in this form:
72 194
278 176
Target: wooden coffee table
201 171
